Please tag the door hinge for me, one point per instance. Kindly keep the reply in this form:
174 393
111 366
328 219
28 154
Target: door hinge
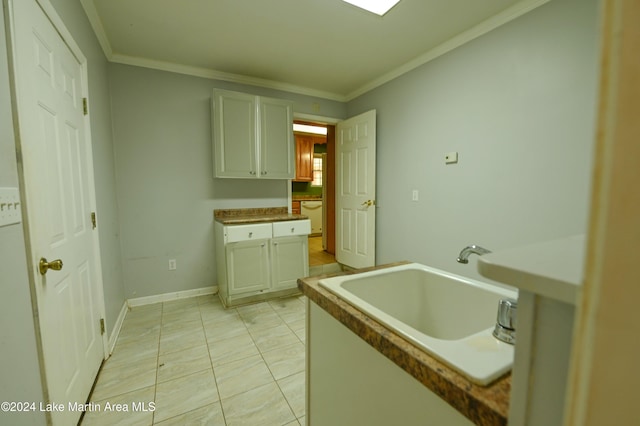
94 222
85 106
101 325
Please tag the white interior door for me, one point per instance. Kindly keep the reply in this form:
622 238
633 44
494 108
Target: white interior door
356 190
58 181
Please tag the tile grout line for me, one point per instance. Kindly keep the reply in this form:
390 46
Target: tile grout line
276 381
213 370
155 385
260 352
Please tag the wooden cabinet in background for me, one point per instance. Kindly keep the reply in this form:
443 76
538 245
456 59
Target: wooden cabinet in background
304 158
304 155
295 207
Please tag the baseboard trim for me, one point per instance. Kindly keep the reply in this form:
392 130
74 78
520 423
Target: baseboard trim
115 332
166 297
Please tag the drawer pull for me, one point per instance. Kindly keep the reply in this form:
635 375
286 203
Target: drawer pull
250 234
293 229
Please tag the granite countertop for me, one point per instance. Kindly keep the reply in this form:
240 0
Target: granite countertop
483 405
255 215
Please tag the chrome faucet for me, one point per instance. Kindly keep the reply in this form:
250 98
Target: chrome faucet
463 257
506 322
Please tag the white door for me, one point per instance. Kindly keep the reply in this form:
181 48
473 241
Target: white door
356 190
58 181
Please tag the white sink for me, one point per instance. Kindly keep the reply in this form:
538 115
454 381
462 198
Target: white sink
449 316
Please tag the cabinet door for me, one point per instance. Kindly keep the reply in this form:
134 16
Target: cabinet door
247 266
234 134
289 260
304 158
277 148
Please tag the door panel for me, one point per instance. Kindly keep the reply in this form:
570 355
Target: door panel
276 139
290 261
234 133
355 198
243 278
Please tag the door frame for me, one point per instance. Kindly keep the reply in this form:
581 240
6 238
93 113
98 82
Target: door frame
605 327
32 272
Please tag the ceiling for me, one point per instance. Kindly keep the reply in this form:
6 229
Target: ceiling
324 48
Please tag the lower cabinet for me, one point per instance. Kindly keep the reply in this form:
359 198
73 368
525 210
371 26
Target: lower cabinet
289 261
247 266
260 261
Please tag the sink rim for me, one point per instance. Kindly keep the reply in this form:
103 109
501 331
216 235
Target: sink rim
479 357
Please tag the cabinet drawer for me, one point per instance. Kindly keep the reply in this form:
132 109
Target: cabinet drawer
291 227
247 232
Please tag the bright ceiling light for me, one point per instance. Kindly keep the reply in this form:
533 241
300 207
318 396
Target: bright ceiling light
379 7
305 128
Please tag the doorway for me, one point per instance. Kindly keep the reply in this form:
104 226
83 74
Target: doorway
313 189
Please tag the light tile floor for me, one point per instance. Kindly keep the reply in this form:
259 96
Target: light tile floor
202 364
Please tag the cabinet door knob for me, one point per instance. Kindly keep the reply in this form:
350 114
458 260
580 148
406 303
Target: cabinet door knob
293 229
250 234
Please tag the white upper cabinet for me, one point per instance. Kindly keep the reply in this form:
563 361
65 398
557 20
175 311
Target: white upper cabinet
252 136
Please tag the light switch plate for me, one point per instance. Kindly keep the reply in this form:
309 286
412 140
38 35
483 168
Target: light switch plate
10 206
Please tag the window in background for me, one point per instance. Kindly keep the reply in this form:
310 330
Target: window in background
317 170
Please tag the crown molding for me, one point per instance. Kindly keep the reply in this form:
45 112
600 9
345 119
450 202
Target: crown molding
482 28
98 28
224 76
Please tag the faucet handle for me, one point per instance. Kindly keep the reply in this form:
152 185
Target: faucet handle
505 329
507 313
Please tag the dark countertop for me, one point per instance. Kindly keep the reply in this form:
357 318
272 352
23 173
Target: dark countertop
306 197
483 405
255 215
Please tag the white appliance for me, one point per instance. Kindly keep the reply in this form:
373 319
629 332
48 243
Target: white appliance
313 210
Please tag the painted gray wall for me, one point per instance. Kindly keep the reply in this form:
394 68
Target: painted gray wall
19 369
518 105
164 168
76 21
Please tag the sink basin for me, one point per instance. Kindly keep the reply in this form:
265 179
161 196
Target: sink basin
449 316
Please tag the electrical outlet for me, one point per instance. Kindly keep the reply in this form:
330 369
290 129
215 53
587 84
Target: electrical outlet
414 195
173 265
10 212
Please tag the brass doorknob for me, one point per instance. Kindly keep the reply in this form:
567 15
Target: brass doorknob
44 266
